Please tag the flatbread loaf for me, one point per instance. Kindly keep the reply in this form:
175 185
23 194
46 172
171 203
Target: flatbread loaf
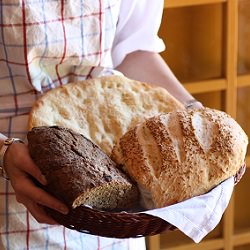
102 109
181 154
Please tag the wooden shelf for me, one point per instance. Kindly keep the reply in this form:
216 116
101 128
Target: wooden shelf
248 161
208 245
184 3
241 238
207 48
244 80
206 86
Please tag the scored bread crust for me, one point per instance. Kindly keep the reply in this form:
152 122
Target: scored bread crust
102 109
181 154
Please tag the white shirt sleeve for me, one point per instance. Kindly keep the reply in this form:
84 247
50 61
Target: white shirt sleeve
137 28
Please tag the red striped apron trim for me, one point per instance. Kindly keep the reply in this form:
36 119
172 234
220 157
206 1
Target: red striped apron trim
65 43
28 230
100 27
25 43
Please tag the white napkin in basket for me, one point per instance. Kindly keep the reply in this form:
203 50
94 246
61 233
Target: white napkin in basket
198 216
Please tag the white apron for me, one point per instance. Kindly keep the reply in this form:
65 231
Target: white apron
44 44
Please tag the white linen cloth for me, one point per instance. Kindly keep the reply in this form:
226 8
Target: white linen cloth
198 216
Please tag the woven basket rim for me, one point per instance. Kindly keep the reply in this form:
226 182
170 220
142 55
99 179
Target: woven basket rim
111 224
123 224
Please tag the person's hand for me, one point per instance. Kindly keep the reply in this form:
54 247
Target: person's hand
21 169
193 104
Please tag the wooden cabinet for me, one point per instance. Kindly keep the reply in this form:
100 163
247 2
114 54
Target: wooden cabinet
208 49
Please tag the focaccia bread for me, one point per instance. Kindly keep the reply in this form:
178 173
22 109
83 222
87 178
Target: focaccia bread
102 109
181 154
78 172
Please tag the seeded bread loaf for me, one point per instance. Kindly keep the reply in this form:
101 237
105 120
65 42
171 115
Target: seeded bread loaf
102 109
78 171
181 154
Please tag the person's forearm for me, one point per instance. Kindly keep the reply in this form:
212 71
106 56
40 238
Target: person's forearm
150 67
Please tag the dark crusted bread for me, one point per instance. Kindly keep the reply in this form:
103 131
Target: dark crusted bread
78 171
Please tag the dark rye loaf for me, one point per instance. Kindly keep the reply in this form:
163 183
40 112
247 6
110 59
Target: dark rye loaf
78 171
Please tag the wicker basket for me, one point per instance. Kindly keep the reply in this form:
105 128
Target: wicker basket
111 224
116 224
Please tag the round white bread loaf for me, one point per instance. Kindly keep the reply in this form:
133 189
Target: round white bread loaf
181 154
102 109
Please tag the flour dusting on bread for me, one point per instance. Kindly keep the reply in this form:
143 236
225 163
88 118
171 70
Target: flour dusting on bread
181 154
102 109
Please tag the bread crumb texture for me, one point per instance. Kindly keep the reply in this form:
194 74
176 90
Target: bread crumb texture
78 171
